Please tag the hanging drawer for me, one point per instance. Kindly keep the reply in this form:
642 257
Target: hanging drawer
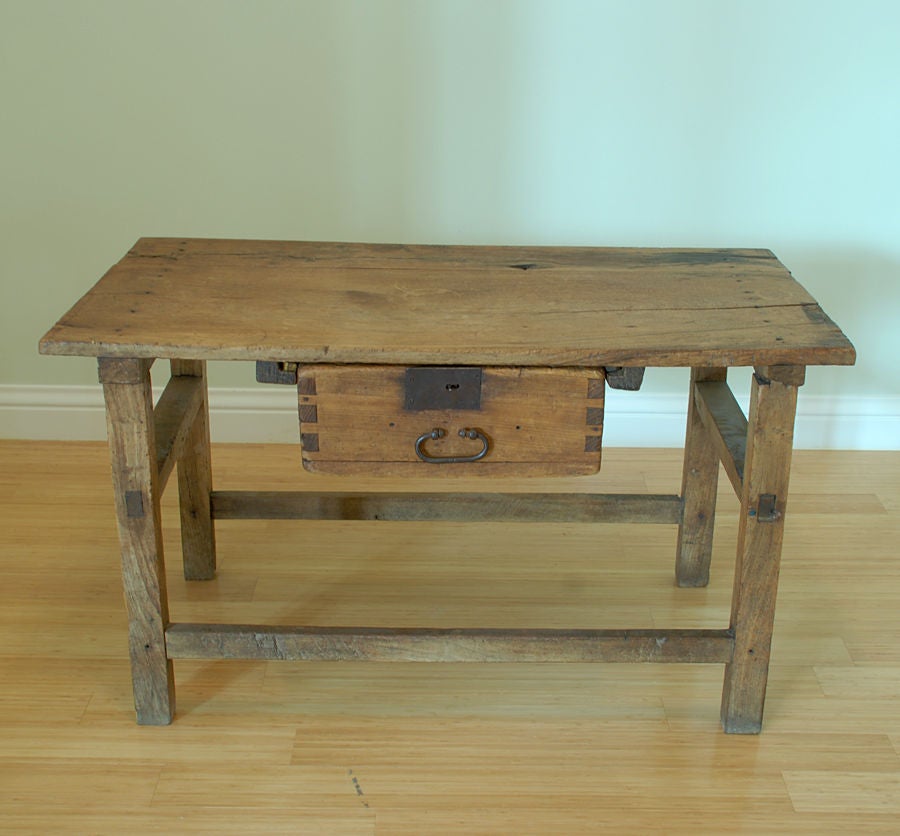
450 421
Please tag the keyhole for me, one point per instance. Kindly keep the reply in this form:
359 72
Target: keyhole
451 387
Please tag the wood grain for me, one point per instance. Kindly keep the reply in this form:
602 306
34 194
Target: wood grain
699 480
333 748
133 449
536 421
422 644
767 471
356 303
447 507
726 427
198 536
174 416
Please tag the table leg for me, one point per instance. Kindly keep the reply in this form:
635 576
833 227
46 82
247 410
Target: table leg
699 482
763 501
198 540
132 444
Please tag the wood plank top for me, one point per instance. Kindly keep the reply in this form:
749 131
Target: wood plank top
219 299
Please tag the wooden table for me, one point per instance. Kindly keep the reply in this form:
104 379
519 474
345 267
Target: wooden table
610 312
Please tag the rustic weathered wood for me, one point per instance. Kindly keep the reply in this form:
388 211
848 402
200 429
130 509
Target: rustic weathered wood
198 537
454 750
329 254
122 369
448 507
792 375
699 480
533 311
769 445
538 422
450 306
132 444
247 641
726 426
174 416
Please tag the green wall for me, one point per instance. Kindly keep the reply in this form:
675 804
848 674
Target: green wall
715 123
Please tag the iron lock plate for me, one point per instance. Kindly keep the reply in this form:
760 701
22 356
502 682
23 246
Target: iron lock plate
442 387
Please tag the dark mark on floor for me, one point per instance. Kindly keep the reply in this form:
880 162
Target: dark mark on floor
356 786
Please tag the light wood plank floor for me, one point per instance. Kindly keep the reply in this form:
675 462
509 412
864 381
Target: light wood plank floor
357 748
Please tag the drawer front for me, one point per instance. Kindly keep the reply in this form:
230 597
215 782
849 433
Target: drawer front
427 421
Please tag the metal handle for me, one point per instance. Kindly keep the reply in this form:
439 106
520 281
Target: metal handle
437 432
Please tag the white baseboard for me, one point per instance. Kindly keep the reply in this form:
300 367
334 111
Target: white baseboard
269 414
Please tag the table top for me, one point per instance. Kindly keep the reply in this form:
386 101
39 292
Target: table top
448 305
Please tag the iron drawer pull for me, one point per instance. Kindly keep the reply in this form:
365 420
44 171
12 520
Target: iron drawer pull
437 432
